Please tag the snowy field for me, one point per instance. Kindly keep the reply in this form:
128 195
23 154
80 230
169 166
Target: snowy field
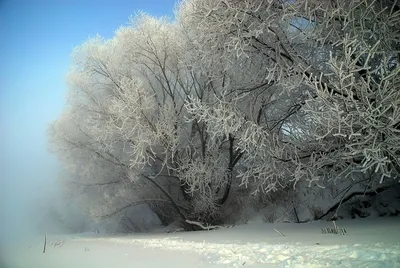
368 243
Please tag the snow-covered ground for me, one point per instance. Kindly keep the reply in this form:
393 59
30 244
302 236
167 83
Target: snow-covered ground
368 243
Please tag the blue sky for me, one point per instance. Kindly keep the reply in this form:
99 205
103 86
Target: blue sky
37 37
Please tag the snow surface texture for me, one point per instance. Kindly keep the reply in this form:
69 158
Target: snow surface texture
368 243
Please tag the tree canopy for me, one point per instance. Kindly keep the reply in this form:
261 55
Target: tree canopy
233 98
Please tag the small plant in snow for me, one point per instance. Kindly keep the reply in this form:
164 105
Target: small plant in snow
334 230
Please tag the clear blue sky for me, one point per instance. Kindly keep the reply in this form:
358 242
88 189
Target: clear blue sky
37 37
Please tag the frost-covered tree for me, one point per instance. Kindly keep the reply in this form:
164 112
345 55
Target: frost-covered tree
308 89
126 132
252 93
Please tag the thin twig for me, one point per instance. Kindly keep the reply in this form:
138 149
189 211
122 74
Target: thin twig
45 242
279 232
335 227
